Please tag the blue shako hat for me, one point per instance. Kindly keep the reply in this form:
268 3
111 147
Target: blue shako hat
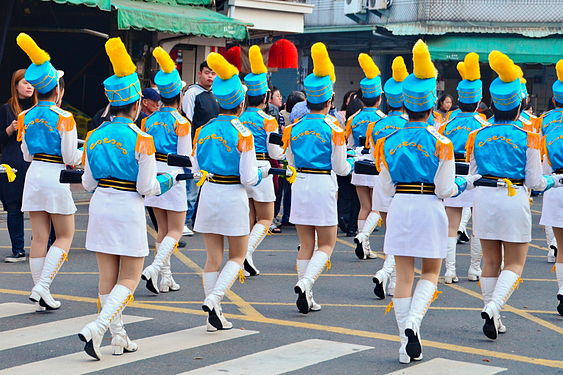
506 90
227 88
419 88
256 81
470 88
318 85
41 74
394 85
167 79
558 84
371 84
123 87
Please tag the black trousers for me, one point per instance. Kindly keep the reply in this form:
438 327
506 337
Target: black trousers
348 205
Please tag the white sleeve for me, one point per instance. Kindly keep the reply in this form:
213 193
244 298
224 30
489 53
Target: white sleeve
184 146
386 182
189 104
147 184
444 179
88 181
338 157
248 168
274 151
289 156
25 151
547 169
472 165
71 154
534 176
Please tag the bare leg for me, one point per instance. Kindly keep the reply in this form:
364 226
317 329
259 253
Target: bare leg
108 267
263 214
306 235
40 229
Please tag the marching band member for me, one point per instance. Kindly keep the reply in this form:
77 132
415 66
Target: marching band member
527 120
49 139
470 93
507 153
172 135
552 210
261 197
119 167
224 154
395 119
356 128
417 166
316 146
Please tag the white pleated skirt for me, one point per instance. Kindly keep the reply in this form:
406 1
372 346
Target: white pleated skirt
313 200
175 199
363 179
42 190
552 208
264 192
117 223
417 226
465 199
497 216
223 209
379 201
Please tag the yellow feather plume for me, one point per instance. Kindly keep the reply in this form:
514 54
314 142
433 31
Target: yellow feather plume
224 69
368 66
257 65
164 60
322 66
461 69
520 73
503 66
28 45
120 59
399 68
559 70
472 69
423 66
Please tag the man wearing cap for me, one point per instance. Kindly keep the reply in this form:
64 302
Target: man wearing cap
149 104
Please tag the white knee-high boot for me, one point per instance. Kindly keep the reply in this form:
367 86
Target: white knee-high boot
551 244
163 253
256 237
462 230
382 276
212 303
365 229
506 284
93 333
209 279
487 288
36 266
402 306
167 282
450 276
301 268
304 287
559 274
421 300
41 292
474 271
120 342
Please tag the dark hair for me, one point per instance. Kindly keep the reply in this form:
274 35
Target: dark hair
354 106
50 94
558 104
124 109
170 101
443 98
350 93
294 98
255 101
371 102
501 116
225 111
317 106
273 89
418 116
204 65
468 107
391 108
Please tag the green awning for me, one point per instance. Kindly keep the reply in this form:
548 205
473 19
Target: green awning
179 2
102 4
520 49
177 19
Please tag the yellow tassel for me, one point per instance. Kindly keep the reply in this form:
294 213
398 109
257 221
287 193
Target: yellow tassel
518 282
380 222
461 69
479 283
423 68
120 59
368 66
322 66
503 66
399 68
291 179
559 70
328 265
99 305
164 60
553 268
203 178
257 65
32 50
241 277
10 174
176 249
471 66
509 186
389 307
221 66
436 295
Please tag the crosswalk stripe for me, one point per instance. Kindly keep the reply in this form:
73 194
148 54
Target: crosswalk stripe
15 308
50 331
442 366
149 347
282 359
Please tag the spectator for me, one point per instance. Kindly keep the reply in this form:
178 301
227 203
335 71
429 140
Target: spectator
275 103
293 98
149 104
199 106
443 107
23 97
348 97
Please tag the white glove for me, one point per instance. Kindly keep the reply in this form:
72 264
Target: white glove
470 180
264 170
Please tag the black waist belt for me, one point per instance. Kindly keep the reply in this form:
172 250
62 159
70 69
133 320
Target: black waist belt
161 157
48 158
518 182
558 170
117 184
261 156
459 157
313 171
224 180
415 188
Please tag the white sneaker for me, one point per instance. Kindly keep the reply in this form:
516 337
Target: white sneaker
187 231
551 257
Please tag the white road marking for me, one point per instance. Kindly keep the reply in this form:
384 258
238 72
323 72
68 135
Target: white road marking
442 366
14 308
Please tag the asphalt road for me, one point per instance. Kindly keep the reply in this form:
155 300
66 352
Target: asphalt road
352 334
